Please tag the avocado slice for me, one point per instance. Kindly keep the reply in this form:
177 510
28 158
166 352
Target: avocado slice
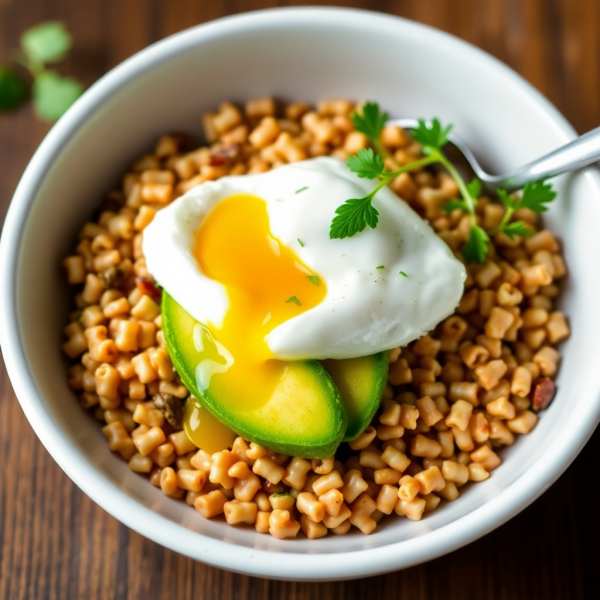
305 416
361 381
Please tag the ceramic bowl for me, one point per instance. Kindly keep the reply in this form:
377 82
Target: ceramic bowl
293 54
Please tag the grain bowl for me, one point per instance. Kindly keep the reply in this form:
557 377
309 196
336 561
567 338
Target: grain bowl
165 88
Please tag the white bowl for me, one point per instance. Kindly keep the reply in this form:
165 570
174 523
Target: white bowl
307 54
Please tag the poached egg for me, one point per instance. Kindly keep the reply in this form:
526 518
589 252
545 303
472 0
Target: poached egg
250 258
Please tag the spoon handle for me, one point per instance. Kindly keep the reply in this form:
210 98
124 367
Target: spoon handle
579 153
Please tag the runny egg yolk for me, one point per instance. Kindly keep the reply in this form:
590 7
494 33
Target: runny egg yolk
266 284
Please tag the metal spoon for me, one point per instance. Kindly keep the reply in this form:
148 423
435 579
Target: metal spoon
579 153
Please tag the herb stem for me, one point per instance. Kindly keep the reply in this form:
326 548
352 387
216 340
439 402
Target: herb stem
460 182
505 220
417 164
383 152
383 182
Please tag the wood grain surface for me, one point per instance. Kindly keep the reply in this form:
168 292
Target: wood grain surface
55 543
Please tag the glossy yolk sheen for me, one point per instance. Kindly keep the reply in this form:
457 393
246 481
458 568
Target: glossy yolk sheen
266 285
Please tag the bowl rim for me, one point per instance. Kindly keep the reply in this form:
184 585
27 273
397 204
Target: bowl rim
219 553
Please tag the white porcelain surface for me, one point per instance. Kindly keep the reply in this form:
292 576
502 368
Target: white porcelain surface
293 54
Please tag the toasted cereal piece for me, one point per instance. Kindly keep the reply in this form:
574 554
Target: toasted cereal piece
282 525
211 504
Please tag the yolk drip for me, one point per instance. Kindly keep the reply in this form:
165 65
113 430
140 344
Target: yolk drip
266 285
204 429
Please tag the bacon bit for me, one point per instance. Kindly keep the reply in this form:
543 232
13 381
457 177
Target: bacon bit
217 161
267 486
113 277
171 407
543 393
147 287
221 155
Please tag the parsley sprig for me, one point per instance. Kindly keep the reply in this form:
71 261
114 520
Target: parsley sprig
52 93
357 213
371 122
535 196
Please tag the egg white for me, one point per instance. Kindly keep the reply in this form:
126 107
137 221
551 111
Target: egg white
366 309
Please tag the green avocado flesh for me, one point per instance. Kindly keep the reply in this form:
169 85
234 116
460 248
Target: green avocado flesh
361 382
305 416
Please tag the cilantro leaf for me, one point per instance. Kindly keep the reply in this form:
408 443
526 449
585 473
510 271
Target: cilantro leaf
352 217
454 204
507 199
536 194
366 164
53 94
13 89
517 228
474 188
432 134
372 121
476 247
46 42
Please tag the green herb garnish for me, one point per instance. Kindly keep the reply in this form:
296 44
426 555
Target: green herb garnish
300 242
535 196
46 42
52 93
294 300
13 90
371 122
403 274
313 279
476 247
302 189
366 164
356 214
380 267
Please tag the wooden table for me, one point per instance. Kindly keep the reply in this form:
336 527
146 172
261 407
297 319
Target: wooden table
56 543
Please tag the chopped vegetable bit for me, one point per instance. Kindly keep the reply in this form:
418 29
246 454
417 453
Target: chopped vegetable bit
147 287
